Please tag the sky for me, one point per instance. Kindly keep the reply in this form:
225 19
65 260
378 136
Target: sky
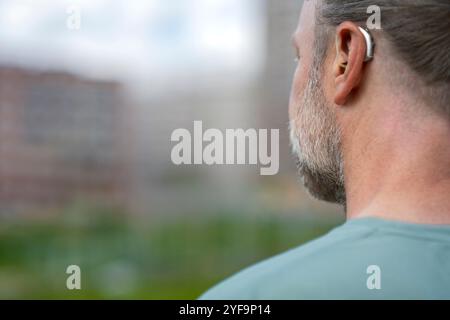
132 38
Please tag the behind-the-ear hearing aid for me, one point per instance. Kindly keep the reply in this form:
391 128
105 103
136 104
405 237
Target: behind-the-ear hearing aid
370 44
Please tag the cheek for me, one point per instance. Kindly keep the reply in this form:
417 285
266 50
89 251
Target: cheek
327 78
298 86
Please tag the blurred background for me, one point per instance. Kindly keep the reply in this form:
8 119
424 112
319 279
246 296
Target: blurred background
90 92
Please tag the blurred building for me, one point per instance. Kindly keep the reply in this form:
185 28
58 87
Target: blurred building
64 137
281 22
235 98
61 137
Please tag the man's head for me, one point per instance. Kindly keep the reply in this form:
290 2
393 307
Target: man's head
336 95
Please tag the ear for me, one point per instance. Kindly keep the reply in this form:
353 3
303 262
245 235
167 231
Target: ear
349 62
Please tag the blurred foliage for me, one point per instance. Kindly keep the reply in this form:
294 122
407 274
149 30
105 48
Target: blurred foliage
134 257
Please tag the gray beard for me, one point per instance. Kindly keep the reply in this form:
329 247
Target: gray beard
316 143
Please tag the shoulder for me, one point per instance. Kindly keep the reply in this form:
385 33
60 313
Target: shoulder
413 260
307 271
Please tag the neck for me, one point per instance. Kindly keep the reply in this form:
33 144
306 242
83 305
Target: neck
401 171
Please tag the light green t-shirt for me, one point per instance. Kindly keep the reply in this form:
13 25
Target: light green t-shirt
365 258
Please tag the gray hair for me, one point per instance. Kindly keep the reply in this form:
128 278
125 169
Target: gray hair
418 31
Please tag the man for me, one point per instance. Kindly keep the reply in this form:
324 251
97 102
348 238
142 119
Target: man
373 134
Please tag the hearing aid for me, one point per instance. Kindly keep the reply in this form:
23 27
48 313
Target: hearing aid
370 44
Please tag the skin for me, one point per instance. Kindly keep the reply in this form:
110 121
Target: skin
396 150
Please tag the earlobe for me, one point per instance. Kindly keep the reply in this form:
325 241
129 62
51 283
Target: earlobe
342 93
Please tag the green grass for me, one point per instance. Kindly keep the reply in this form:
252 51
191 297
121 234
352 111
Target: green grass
139 258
